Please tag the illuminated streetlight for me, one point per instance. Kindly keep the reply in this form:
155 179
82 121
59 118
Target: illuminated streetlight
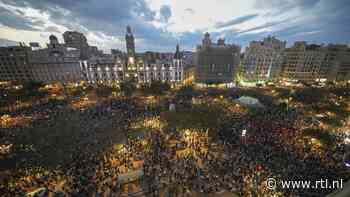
347 140
244 132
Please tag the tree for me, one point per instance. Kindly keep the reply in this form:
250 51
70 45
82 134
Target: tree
158 88
341 91
283 106
56 102
284 93
6 98
215 92
325 137
104 91
127 88
32 89
309 95
186 91
77 92
33 85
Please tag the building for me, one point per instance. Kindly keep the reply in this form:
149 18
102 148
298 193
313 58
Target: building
263 60
78 40
142 68
152 56
160 70
304 63
216 63
163 67
103 69
177 70
117 53
112 71
189 75
188 58
14 63
130 42
336 65
116 67
55 63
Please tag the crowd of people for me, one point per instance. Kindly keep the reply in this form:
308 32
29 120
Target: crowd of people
238 164
69 177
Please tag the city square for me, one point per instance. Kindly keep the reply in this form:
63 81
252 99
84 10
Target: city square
209 144
174 98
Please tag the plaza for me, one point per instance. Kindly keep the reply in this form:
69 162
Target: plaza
65 143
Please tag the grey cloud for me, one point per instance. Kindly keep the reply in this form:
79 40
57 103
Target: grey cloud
236 21
6 42
52 29
266 25
111 16
165 13
10 19
285 4
190 11
94 13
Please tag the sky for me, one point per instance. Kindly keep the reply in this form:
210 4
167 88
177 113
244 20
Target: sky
158 25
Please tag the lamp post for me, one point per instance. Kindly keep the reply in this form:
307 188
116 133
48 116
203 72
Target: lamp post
244 135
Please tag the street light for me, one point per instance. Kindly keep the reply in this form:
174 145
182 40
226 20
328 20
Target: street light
243 135
347 140
244 132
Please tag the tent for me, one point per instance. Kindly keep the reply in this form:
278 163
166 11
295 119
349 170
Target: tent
249 101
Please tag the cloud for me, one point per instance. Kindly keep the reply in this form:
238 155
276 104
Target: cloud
236 21
264 26
308 33
52 29
286 4
104 22
190 11
110 16
12 19
165 13
5 42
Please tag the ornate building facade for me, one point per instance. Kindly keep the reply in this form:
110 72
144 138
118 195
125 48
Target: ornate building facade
130 42
132 67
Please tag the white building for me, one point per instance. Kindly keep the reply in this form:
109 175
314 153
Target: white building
161 70
263 60
110 69
103 69
304 62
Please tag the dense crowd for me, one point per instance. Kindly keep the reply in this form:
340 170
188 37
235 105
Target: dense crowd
239 164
